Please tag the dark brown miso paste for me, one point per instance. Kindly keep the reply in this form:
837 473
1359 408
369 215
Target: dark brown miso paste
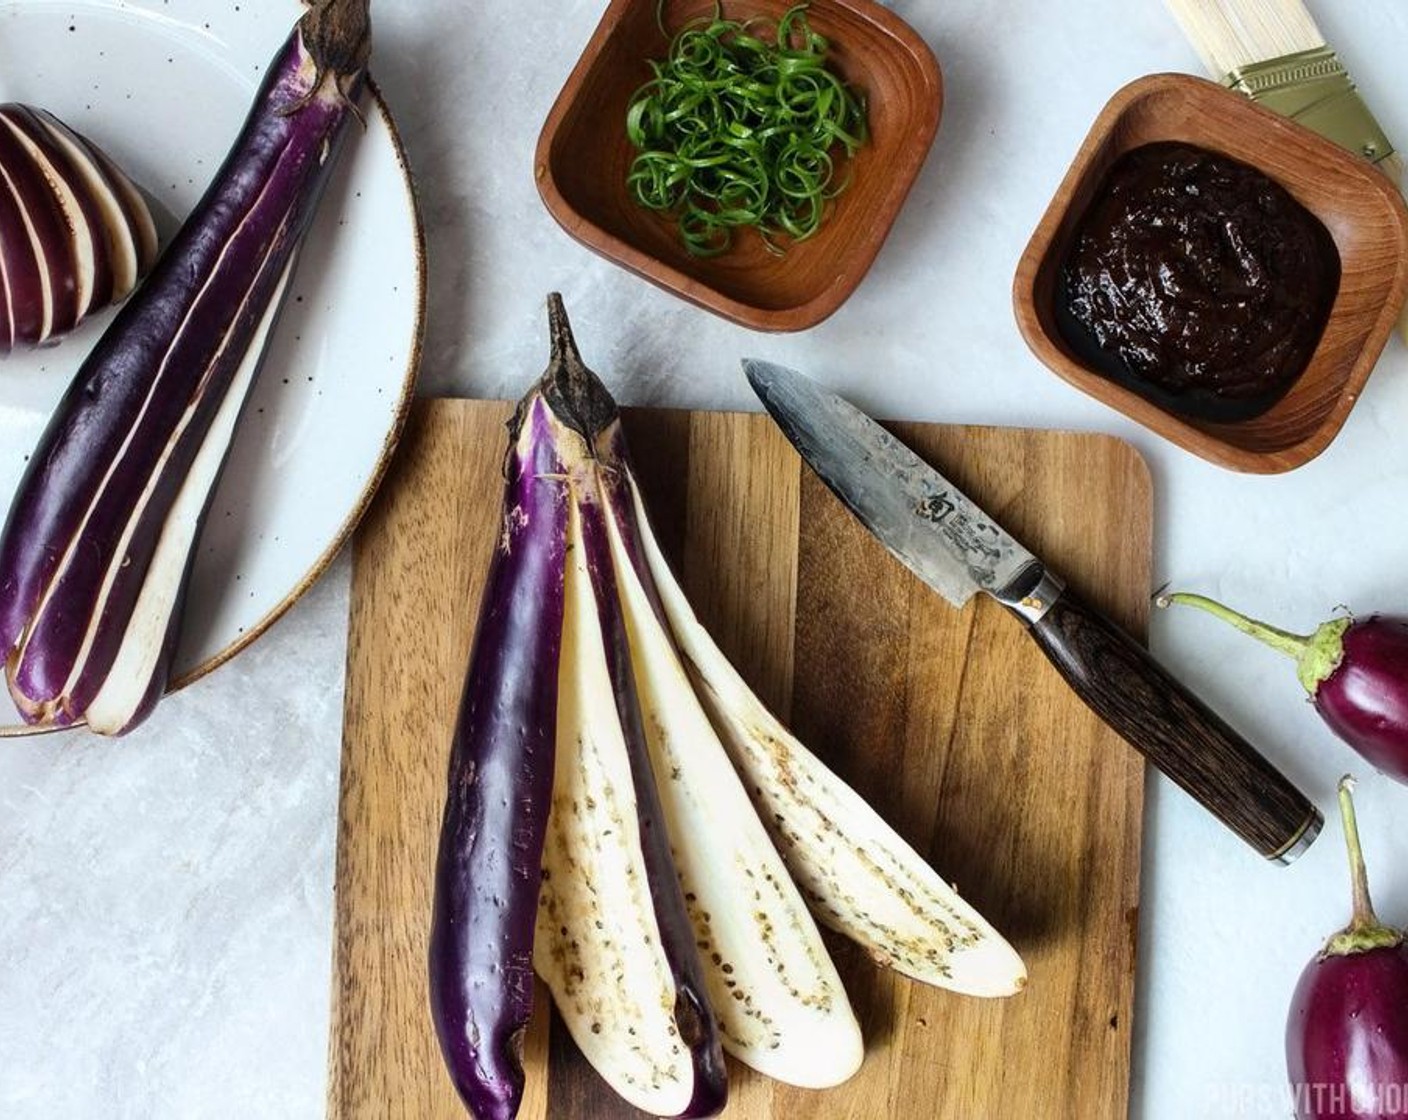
1197 281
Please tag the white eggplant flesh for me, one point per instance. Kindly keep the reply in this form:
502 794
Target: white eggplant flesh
598 946
132 241
780 1003
859 876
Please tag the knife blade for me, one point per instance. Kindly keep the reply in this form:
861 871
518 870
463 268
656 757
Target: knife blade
950 543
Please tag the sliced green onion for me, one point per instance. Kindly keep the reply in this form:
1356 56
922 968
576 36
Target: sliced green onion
743 125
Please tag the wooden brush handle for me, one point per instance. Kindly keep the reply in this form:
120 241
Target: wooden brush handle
1175 730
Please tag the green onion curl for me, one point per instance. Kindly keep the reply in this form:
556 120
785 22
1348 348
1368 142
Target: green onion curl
743 125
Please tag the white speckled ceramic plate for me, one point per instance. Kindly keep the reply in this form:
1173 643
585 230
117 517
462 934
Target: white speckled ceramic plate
163 86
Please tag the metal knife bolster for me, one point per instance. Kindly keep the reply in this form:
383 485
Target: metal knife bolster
1030 593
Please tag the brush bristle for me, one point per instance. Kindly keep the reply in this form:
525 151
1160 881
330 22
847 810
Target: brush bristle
1232 33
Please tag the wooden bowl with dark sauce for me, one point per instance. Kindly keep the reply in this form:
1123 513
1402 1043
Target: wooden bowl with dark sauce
1361 209
583 156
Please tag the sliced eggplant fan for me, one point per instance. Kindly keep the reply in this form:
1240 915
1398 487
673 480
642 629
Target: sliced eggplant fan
626 815
97 548
75 234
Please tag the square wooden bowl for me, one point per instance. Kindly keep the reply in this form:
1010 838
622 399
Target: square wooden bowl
583 156
1361 208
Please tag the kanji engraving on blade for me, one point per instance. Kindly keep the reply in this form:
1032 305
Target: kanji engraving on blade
977 539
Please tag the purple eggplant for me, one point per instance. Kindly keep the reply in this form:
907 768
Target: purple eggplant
1355 670
553 852
500 785
96 551
1347 1031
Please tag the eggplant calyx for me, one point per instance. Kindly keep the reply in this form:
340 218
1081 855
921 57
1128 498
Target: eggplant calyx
1365 932
337 34
1350 941
1324 650
575 394
1317 655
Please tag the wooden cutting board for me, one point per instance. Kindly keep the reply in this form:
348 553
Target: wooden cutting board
950 722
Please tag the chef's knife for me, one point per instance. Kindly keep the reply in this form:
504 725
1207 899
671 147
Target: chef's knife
958 550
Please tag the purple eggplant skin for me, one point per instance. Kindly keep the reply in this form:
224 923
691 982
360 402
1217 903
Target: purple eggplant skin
611 448
35 199
23 120
1364 699
500 786
1347 1037
80 535
23 312
1347 1030
1354 669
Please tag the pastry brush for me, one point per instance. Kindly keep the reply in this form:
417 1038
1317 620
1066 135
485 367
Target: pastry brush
1272 51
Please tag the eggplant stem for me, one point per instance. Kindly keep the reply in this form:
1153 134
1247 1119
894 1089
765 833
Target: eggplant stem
1364 916
1365 932
563 342
337 34
1294 645
338 38
573 392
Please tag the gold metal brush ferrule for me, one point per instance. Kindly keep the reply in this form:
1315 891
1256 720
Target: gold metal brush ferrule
1313 88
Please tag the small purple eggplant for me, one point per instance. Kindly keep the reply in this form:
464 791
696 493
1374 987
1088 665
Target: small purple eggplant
1347 1032
1355 669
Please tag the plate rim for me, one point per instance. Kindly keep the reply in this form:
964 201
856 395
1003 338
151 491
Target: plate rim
359 507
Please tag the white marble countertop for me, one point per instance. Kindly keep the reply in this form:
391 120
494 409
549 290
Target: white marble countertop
166 902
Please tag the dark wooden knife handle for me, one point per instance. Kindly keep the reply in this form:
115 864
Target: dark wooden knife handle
1175 730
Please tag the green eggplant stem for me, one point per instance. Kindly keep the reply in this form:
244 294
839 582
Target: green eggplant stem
1316 655
1365 931
1293 645
1359 876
